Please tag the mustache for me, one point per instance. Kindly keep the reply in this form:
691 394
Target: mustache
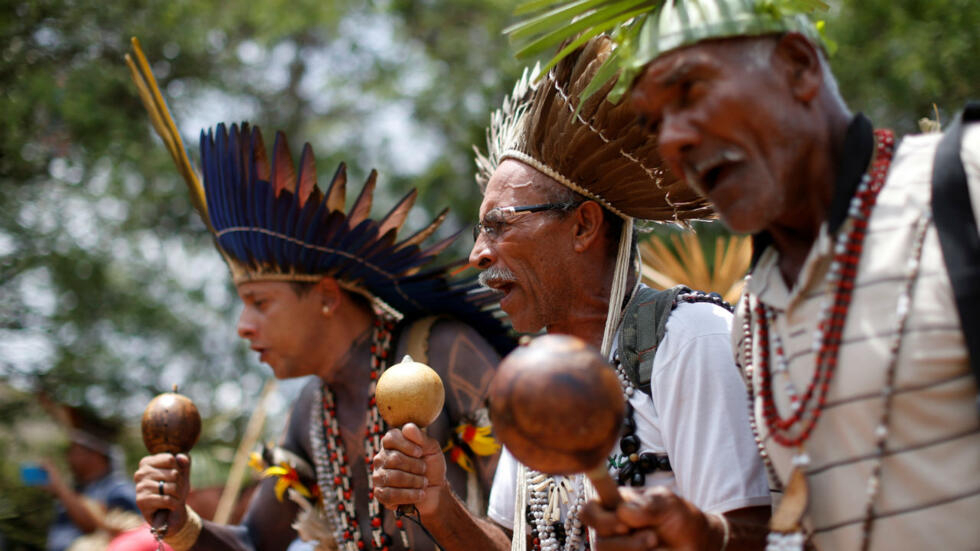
497 274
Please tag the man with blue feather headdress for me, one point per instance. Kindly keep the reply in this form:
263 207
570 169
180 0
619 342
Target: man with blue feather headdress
336 295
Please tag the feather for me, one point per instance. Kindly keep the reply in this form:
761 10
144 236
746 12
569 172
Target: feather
337 192
276 224
260 160
396 217
595 147
283 171
362 205
165 127
306 180
423 234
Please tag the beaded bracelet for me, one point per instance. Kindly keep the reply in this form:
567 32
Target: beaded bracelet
187 535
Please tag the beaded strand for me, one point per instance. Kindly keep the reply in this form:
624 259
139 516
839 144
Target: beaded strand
332 463
840 280
794 430
888 390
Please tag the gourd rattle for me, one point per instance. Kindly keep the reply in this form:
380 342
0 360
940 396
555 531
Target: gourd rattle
558 407
171 424
409 392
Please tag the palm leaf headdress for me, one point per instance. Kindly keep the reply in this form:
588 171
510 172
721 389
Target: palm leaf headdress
644 29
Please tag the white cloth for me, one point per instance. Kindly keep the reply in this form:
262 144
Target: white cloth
697 415
930 479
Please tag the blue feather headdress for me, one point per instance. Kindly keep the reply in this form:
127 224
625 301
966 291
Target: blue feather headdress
272 222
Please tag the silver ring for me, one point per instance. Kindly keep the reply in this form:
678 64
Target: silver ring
160 487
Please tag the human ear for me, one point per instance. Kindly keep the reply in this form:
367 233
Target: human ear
588 225
329 293
802 64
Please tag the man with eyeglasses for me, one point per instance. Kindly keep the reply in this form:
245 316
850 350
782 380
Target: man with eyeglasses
562 185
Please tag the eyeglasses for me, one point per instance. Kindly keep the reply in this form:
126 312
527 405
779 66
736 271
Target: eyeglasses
496 219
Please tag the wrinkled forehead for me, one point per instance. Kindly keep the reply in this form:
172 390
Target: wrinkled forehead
515 184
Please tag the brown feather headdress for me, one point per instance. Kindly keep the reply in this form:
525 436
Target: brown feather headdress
599 149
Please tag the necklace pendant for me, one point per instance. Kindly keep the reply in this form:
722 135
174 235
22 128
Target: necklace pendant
785 527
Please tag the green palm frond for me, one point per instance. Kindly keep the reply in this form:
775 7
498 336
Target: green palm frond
575 22
550 24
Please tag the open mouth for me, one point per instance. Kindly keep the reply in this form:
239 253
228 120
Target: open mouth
706 175
715 174
502 287
499 279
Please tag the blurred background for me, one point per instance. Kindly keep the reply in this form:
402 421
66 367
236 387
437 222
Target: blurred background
110 291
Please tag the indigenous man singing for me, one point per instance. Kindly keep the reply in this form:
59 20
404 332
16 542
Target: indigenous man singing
339 297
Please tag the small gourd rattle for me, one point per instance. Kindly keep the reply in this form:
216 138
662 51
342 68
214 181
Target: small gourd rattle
171 424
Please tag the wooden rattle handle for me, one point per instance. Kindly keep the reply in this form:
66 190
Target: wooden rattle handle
605 487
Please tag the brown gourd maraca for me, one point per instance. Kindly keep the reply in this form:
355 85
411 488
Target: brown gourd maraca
171 424
558 407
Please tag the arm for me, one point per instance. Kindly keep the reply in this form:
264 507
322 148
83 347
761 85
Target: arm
267 524
703 415
656 518
466 363
703 406
411 468
84 513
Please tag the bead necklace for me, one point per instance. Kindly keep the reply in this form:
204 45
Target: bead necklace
794 430
632 466
548 532
888 390
332 463
748 370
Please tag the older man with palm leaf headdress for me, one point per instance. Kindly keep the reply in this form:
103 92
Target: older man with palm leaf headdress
562 185
858 328
334 294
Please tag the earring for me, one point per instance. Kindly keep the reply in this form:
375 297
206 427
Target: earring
326 309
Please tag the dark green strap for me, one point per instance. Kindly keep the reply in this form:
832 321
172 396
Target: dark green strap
637 343
956 224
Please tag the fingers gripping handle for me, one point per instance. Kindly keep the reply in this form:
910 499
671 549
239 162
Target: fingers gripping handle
605 487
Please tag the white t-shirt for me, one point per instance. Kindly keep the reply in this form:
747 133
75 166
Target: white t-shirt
697 414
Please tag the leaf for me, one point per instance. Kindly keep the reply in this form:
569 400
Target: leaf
554 19
590 26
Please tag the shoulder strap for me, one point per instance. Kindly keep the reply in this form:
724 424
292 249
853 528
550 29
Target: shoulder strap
644 326
956 224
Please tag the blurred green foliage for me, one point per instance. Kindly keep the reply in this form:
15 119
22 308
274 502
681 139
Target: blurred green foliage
109 289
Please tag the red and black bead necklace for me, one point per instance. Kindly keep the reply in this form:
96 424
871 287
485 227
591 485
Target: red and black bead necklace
796 428
332 462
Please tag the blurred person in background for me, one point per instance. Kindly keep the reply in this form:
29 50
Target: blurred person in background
99 501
